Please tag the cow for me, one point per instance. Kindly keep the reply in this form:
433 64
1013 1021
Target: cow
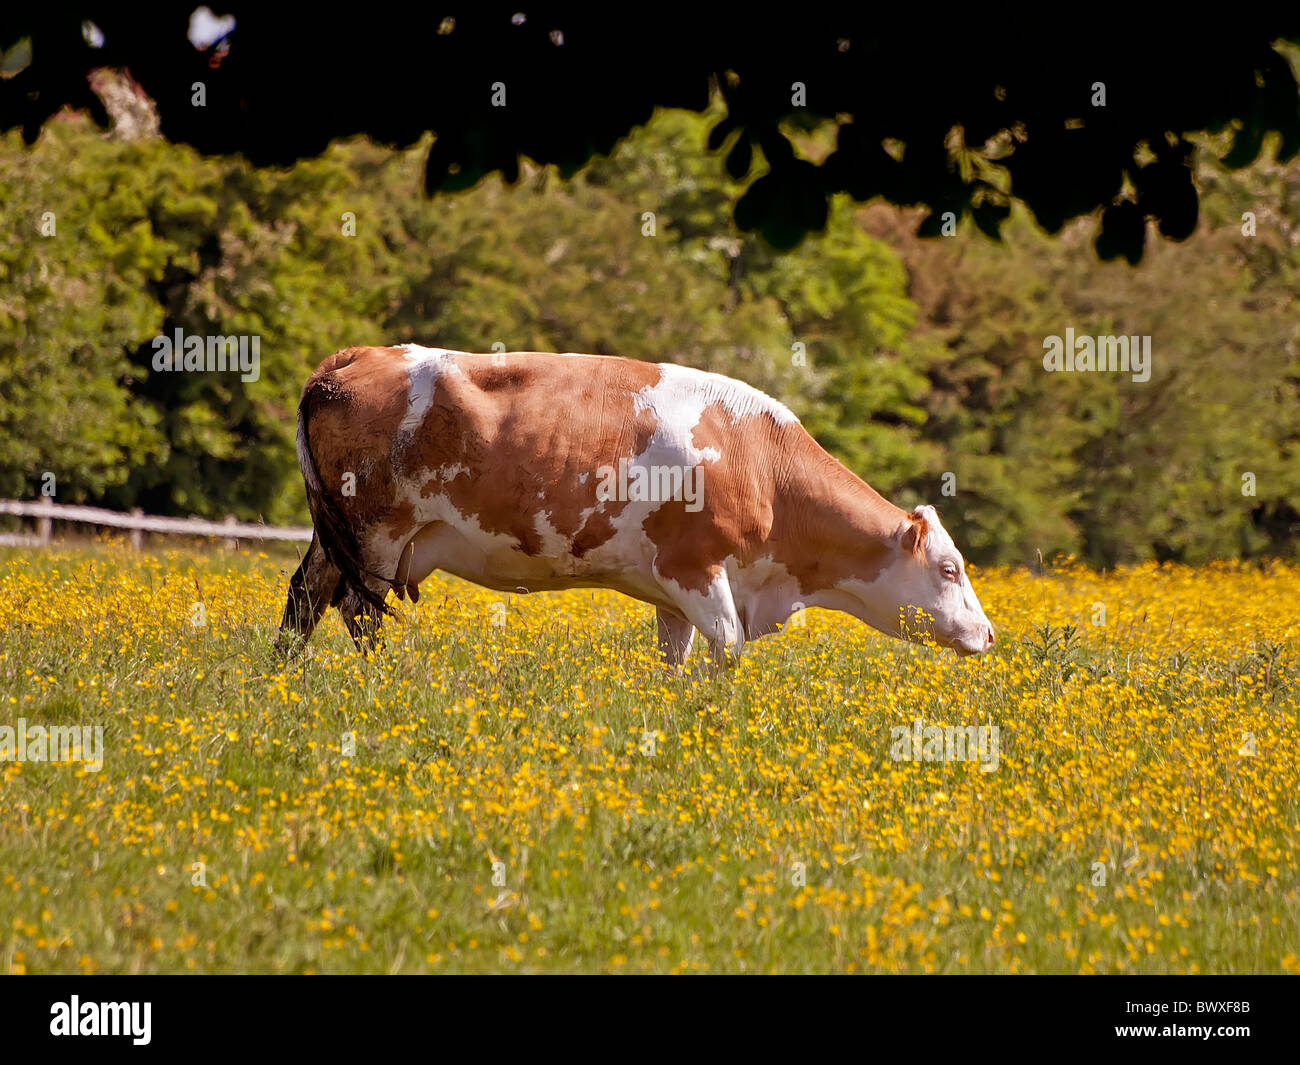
532 471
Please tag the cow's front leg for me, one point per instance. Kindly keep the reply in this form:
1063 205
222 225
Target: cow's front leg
725 644
714 613
676 635
311 589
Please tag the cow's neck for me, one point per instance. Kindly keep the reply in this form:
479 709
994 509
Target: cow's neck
847 540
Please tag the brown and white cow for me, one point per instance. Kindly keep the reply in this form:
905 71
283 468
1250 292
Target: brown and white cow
532 471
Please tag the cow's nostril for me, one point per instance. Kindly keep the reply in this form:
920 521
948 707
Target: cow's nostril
990 639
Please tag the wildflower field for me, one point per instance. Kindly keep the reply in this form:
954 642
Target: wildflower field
515 784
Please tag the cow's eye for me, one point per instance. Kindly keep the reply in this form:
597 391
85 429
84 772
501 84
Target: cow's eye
949 570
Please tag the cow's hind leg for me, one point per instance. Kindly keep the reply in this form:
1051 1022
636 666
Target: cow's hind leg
311 590
362 616
675 636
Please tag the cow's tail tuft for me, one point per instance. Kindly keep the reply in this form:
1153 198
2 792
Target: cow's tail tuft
333 530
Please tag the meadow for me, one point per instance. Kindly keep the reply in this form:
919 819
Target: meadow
515 784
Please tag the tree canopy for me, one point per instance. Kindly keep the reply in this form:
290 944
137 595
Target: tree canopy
962 117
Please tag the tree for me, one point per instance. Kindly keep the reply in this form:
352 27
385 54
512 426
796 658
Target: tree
1197 462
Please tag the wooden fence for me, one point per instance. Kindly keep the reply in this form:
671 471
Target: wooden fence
47 512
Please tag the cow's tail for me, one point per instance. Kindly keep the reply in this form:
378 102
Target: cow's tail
333 530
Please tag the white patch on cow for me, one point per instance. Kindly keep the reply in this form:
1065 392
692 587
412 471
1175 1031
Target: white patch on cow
457 543
450 473
424 367
554 544
684 393
677 401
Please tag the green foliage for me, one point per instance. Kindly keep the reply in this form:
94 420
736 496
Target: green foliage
71 305
1097 463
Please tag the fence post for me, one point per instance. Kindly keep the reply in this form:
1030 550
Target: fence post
231 542
44 523
137 535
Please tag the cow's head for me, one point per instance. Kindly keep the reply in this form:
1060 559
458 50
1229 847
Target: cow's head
934 595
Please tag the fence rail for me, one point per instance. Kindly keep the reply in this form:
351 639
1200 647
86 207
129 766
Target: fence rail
46 512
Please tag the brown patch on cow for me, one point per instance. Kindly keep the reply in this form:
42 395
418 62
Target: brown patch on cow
399 520
598 529
833 525
357 399
493 378
774 493
527 431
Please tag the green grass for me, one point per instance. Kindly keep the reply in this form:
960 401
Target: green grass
765 828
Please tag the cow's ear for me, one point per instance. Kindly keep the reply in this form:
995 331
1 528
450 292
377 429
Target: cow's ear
915 534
